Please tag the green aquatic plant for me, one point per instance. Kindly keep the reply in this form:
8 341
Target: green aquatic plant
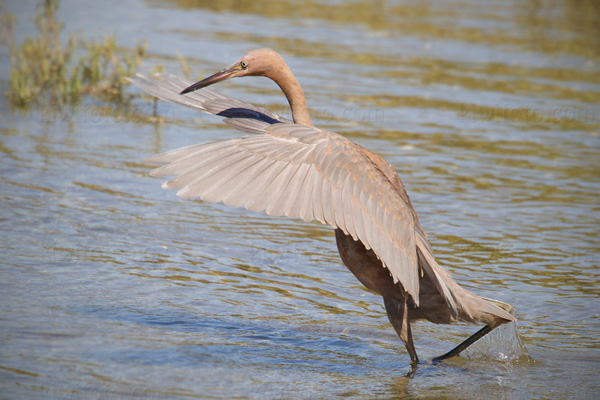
44 70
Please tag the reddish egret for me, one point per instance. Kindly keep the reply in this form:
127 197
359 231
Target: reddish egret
298 170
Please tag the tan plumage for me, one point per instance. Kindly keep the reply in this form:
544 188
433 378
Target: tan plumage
294 169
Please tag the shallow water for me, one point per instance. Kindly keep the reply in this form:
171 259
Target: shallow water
114 288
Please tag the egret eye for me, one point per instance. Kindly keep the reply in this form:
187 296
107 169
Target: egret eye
244 65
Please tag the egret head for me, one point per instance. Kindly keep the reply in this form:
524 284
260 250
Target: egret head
256 63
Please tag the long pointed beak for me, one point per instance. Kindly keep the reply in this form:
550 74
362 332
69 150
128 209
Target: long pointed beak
227 73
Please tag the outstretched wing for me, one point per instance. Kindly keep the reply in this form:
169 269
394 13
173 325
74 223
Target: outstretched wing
297 171
302 172
239 114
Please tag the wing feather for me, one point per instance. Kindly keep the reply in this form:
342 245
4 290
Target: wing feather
260 195
318 210
346 201
306 194
246 183
277 190
357 210
209 165
293 196
327 202
337 209
168 87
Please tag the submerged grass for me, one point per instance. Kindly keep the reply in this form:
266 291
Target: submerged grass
43 70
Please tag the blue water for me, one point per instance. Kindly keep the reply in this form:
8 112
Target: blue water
114 288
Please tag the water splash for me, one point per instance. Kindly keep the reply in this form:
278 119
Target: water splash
502 344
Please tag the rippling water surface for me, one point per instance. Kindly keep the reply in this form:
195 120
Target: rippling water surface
113 288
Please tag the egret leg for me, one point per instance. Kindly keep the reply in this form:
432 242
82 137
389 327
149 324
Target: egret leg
398 315
472 339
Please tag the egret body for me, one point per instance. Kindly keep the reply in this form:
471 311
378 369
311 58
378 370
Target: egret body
295 169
